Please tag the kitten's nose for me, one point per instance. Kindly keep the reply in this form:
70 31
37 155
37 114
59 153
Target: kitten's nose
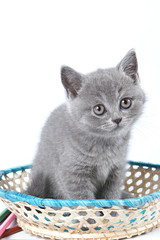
118 120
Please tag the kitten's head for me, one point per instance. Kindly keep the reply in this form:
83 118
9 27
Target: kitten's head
107 101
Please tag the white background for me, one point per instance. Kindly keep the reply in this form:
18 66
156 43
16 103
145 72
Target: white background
37 37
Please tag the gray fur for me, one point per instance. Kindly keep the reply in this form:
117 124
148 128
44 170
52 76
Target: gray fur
82 155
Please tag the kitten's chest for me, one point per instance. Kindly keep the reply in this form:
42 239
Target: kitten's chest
105 165
102 172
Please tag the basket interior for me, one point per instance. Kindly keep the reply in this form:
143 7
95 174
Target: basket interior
140 180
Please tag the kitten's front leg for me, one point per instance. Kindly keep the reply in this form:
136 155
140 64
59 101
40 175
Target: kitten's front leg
77 187
112 187
80 194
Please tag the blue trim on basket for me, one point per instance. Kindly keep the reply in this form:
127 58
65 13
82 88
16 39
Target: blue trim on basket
144 164
133 202
15 169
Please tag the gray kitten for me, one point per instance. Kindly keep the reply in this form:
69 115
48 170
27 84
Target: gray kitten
83 145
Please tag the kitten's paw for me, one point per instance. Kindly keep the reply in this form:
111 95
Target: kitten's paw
126 195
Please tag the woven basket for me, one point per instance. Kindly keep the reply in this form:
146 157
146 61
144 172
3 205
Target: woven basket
86 219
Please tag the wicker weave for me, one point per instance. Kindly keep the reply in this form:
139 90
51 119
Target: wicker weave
94 219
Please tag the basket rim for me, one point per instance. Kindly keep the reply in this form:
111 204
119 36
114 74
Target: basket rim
14 196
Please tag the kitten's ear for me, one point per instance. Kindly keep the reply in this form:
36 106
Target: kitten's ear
129 65
72 81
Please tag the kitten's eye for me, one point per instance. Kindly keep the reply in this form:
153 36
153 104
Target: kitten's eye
99 109
126 103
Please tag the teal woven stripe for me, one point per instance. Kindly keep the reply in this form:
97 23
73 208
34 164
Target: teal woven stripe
144 164
134 202
15 169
